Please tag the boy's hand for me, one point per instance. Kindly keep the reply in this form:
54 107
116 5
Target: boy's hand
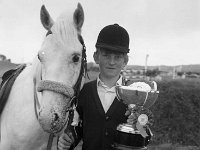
132 117
65 141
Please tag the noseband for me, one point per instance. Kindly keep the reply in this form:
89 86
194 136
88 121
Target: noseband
55 87
63 89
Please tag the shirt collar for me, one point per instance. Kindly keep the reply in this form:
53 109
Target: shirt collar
101 83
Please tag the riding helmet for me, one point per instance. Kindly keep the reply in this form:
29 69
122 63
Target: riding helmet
113 37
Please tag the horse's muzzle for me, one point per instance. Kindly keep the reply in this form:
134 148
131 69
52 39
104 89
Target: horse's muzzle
54 103
53 112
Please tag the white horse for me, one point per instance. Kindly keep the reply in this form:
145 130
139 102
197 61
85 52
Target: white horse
40 97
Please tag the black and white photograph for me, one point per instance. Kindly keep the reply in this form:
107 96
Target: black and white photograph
99 74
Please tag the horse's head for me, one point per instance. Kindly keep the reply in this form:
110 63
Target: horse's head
61 59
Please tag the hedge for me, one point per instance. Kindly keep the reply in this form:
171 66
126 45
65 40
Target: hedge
177 113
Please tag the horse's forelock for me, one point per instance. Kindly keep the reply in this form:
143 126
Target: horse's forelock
64 28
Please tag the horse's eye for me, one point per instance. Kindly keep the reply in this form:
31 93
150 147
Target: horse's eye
75 58
41 55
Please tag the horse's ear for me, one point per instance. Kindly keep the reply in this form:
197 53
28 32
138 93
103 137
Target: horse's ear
79 17
45 18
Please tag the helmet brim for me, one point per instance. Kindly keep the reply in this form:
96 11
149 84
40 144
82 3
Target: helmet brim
113 47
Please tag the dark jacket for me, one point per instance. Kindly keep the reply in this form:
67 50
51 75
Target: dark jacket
98 127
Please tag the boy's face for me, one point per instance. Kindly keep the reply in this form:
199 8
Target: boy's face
110 62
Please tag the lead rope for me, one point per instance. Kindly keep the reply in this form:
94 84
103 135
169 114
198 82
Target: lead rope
50 141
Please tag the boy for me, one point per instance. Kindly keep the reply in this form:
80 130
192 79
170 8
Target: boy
98 107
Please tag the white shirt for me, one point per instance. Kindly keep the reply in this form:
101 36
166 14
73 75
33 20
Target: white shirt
106 94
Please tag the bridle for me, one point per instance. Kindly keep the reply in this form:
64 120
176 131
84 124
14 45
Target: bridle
76 88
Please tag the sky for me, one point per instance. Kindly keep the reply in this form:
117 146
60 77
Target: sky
168 31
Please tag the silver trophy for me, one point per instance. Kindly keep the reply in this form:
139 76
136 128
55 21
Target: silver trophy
139 96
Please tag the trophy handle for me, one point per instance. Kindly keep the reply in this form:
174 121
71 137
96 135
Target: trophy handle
147 93
154 86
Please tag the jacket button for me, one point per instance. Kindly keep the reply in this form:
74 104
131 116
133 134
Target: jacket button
106 133
107 117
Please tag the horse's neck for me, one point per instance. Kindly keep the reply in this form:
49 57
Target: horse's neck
18 121
24 89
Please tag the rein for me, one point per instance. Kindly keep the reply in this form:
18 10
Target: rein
62 89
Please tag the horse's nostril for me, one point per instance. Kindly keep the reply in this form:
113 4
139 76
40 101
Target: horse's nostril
56 117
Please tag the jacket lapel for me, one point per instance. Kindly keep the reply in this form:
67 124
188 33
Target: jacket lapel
97 99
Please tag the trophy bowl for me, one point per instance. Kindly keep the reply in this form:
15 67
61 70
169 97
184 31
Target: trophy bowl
137 96
144 95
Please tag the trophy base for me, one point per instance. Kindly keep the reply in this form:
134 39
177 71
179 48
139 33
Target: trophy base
127 137
124 147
